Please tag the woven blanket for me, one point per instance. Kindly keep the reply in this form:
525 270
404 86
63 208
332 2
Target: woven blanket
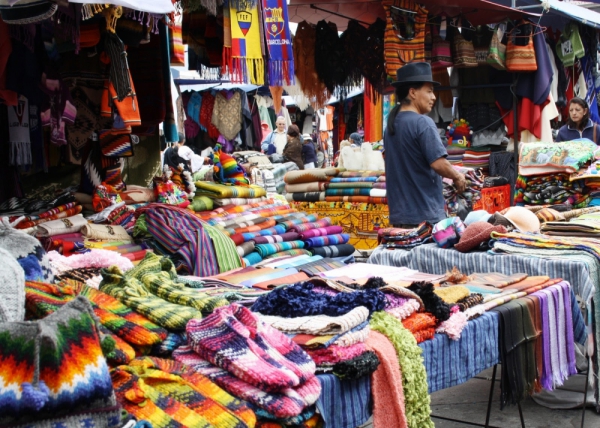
276 230
310 175
341 179
351 199
342 250
546 158
255 228
322 241
286 280
324 222
362 174
252 259
322 231
358 185
268 249
305 197
215 190
272 239
300 220
245 248
378 201
70 212
290 253
318 186
379 185
378 193
348 192
237 201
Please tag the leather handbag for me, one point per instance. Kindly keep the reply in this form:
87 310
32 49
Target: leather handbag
520 58
497 54
464 53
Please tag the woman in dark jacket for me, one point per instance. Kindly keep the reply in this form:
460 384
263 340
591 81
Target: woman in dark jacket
309 154
579 124
293 149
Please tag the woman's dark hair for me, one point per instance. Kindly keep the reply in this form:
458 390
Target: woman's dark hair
293 131
401 100
584 120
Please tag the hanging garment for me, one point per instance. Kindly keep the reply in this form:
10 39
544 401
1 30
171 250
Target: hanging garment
59 111
206 113
352 41
329 56
371 60
304 63
246 65
18 131
227 115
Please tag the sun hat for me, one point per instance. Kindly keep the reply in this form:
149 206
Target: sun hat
522 219
26 11
478 215
415 72
476 234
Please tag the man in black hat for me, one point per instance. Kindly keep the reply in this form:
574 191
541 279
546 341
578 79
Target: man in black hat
415 159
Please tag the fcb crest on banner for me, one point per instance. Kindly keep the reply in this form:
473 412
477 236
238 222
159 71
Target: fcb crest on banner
274 22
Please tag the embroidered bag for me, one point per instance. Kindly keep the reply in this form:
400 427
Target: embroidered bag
464 52
520 58
441 53
497 53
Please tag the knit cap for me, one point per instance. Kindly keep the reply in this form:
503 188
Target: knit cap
12 288
227 169
476 234
27 250
235 339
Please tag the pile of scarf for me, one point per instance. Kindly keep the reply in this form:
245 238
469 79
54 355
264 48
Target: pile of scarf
550 190
222 191
393 237
253 361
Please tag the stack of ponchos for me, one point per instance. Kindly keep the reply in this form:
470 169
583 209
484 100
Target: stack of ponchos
331 327
550 189
253 361
469 197
393 237
477 158
337 186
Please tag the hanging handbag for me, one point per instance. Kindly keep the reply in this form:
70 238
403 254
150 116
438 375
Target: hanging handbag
441 52
464 52
497 54
520 58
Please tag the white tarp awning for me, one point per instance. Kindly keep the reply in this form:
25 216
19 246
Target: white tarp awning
151 6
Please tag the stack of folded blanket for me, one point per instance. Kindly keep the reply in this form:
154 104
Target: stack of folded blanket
225 191
253 361
308 185
477 158
394 237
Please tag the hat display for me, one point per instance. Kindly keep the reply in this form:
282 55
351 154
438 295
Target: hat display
522 219
476 234
478 215
26 11
12 288
415 72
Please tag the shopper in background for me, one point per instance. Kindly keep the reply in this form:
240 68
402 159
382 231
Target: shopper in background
579 124
293 148
276 140
309 155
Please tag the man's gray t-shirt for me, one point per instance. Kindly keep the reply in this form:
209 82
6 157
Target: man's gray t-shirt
414 189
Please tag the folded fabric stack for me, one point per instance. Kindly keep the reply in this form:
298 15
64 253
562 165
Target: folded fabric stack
253 361
357 186
331 327
271 177
308 185
394 237
477 158
550 189
456 154
223 191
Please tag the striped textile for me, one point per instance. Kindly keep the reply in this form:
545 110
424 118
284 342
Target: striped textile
344 403
351 199
429 258
275 230
267 249
342 250
222 191
355 185
451 362
226 251
322 241
252 259
272 239
323 231
179 231
353 180
304 219
348 192
254 228
237 201
323 265
299 228
362 174
296 252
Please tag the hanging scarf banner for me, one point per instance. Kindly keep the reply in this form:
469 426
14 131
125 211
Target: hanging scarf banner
247 65
279 42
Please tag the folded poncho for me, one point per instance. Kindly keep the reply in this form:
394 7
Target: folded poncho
322 241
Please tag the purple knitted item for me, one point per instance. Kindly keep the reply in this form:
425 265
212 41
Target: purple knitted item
566 292
234 339
285 404
394 301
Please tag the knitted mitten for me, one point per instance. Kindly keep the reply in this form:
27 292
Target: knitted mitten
233 339
196 391
285 404
133 294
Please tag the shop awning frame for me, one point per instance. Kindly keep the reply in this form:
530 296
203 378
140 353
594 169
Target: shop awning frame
569 10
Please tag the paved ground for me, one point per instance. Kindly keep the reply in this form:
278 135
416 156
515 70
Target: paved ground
469 402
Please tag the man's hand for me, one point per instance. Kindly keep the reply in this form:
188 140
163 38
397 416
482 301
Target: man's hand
460 183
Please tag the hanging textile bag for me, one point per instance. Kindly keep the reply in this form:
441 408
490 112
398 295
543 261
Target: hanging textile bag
497 54
116 145
441 52
520 58
464 52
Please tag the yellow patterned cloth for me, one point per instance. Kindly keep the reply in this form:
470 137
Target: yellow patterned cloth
360 220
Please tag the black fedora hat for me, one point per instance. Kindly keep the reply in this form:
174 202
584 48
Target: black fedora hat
26 11
415 72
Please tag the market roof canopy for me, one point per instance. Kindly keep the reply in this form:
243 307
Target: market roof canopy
477 12
151 6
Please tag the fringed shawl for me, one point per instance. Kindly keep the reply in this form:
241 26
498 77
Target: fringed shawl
304 62
371 61
329 56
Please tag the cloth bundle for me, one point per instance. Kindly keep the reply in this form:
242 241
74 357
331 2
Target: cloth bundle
62 226
245 248
405 238
310 175
105 232
550 189
342 250
322 231
68 210
322 241
222 191
421 325
271 239
304 219
251 360
268 249
348 192
305 197
300 228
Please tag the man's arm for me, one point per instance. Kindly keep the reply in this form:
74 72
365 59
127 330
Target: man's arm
445 169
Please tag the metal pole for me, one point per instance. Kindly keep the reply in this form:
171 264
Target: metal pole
515 140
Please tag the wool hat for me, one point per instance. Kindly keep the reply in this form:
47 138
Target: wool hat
522 219
476 234
27 250
355 137
479 215
12 288
415 72
26 11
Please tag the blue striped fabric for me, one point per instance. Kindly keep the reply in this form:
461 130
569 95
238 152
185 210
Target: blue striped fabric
181 232
344 403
